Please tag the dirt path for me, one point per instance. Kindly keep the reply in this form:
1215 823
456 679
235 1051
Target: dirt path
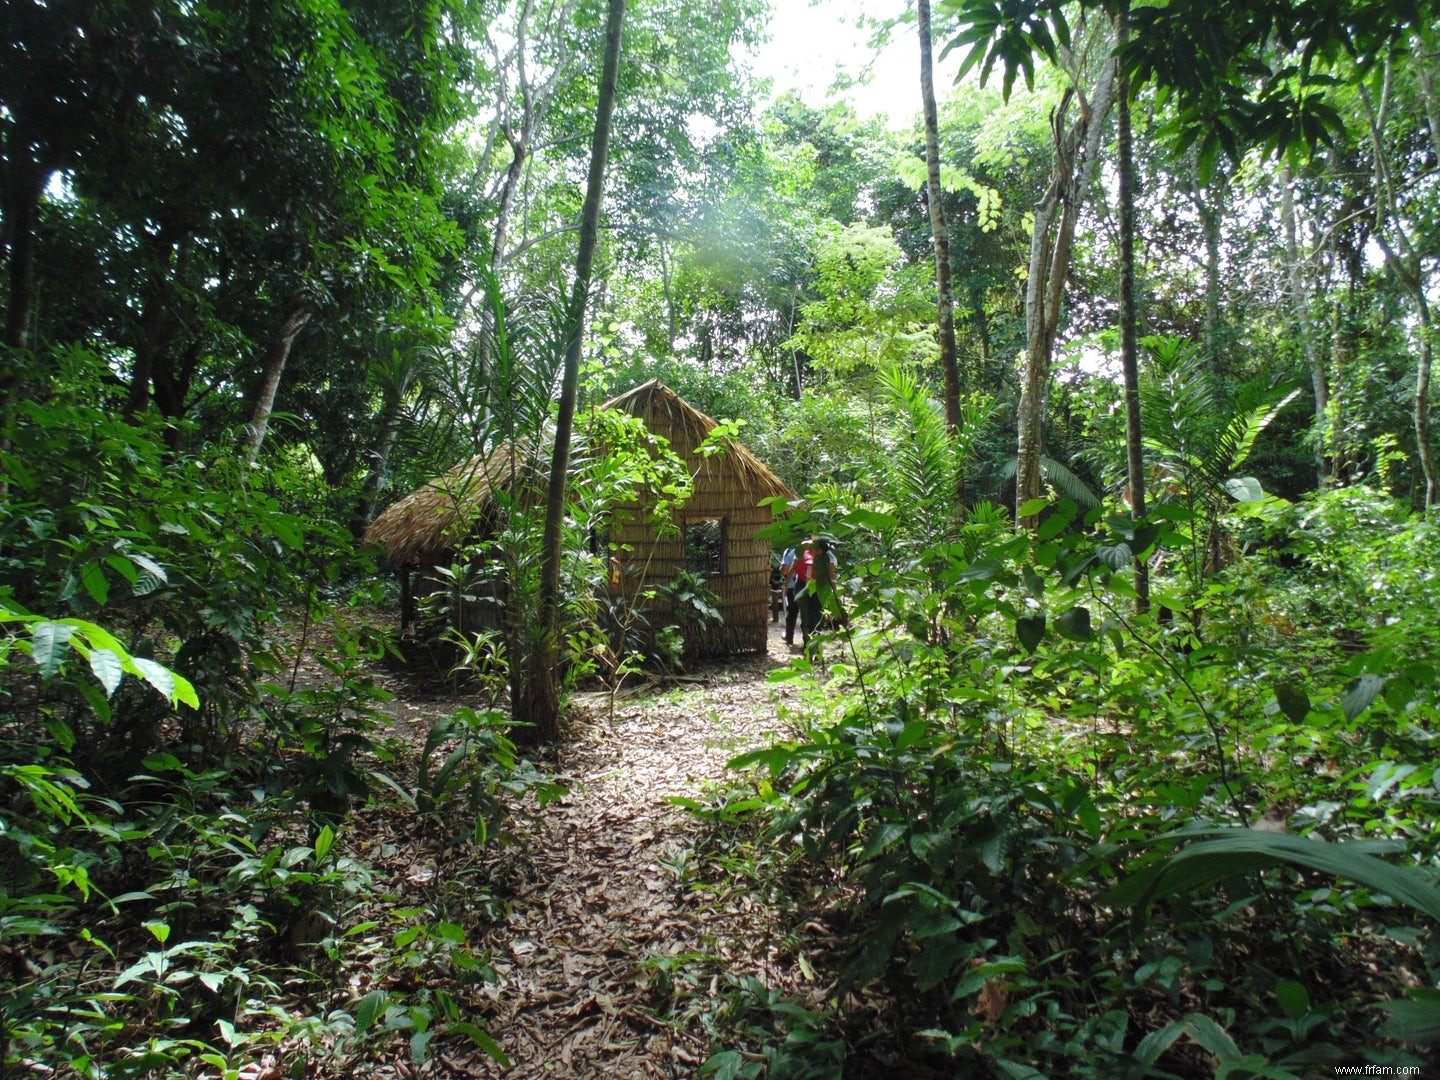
599 906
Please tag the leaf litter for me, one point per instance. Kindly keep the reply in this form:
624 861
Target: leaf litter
593 910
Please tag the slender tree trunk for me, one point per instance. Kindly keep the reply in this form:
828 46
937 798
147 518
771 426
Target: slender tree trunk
520 152
1300 311
380 452
1077 149
25 180
1129 361
949 361
296 316
1403 259
1422 401
539 702
1210 220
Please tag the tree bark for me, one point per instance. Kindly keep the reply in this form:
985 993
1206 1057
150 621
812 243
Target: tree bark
296 316
539 700
949 361
25 180
1209 200
1405 261
1077 149
380 451
1129 361
1304 326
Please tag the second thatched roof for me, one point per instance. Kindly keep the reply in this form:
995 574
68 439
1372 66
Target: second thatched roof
423 525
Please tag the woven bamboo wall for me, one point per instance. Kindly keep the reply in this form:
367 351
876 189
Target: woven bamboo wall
744 585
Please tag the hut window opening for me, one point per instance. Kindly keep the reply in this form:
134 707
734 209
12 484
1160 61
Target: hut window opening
705 546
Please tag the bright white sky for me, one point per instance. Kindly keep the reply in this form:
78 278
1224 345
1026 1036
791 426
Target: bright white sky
810 45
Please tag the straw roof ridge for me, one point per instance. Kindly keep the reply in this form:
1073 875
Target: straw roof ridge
423 524
655 400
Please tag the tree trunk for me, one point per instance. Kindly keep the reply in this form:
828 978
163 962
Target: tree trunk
1129 362
1403 258
296 316
1210 220
949 361
538 703
25 180
1077 150
380 451
1422 400
1300 311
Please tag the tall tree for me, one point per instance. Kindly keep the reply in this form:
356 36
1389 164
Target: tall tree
1076 157
949 362
1129 361
1397 220
540 702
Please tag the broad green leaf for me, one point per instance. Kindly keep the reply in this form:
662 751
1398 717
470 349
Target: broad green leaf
323 842
1033 507
149 565
1415 1019
108 668
1361 694
481 1038
880 839
1205 864
49 643
1212 1037
1075 624
92 576
157 675
1294 999
372 1005
1294 702
1115 556
1030 629
726 1065
1245 489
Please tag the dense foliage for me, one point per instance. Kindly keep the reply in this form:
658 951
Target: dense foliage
270 266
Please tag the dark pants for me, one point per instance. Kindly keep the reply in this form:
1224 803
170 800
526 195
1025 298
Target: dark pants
792 610
810 611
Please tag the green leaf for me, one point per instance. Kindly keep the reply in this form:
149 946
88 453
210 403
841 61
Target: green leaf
1203 865
1245 489
372 1005
1030 629
107 668
49 643
1115 556
149 565
1033 507
481 1038
323 842
157 675
980 974
1212 1037
1075 624
1293 701
1361 694
92 576
726 1065
1294 999
883 836
1416 1019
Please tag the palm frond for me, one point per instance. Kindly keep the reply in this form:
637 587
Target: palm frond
1058 476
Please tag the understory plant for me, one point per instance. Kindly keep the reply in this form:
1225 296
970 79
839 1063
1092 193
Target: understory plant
1083 839
180 754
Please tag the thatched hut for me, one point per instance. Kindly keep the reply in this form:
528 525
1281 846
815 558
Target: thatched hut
719 524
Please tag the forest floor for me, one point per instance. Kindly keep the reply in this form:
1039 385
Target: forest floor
616 951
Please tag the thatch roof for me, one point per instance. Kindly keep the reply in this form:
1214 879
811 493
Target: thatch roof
422 525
